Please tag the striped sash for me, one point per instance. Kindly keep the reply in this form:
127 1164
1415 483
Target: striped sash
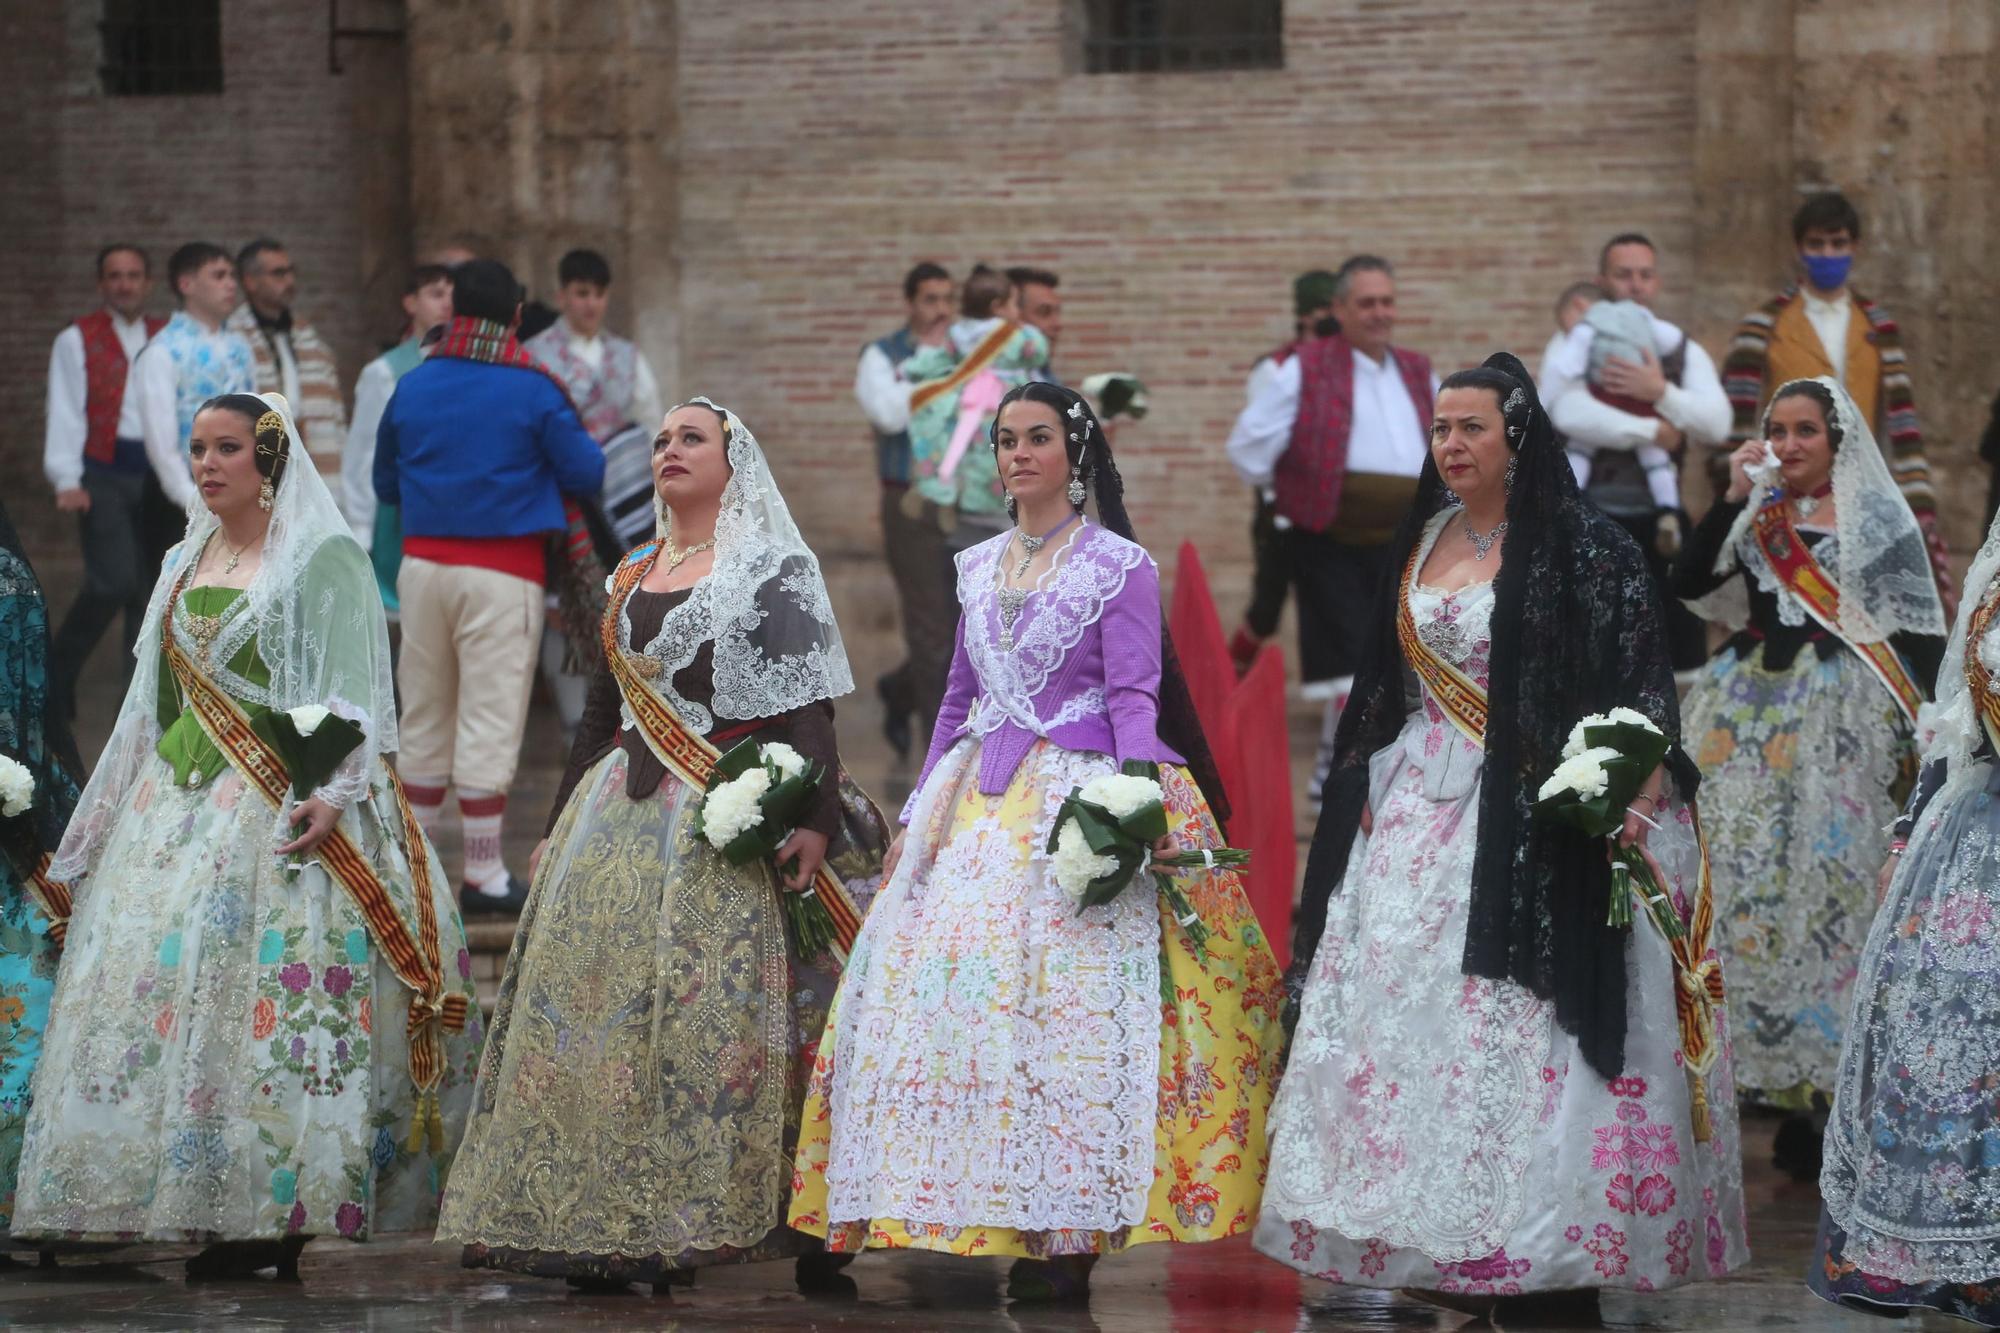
975 361
1458 696
1793 562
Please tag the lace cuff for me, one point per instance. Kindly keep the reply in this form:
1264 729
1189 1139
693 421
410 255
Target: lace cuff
349 782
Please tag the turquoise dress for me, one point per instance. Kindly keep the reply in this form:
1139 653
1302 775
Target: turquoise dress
27 954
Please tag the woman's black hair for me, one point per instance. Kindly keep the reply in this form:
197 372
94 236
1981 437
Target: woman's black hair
272 449
1818 393
1503 387
1090 451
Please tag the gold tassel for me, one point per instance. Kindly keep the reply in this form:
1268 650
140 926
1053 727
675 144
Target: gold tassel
419 1123
1704 1129
435 1127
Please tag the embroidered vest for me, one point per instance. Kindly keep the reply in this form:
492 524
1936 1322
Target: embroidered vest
603 396
104 370
892 452
1308 479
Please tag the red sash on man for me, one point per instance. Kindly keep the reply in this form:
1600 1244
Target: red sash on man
105 367
1792 560
687 754
1310 476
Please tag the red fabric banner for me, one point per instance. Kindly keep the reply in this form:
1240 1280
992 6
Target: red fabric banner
1261 796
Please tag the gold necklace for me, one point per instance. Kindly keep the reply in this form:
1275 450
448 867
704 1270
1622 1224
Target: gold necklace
676 557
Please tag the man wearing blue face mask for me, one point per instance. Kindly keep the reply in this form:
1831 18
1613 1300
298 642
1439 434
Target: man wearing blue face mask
1822 326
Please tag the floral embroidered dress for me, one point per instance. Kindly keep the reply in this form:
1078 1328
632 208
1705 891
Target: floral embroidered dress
28 946
1805 759
230 1051
640 1098
1439 1130
1002 1074
1911 1177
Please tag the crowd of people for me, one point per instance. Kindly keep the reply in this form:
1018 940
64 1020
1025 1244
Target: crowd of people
1503 1070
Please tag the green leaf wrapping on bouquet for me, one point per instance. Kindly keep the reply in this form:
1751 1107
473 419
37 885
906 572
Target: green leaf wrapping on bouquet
737 760
1603 815
310 760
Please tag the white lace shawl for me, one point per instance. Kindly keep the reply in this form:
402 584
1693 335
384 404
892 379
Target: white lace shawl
764 604
1885 579
317 620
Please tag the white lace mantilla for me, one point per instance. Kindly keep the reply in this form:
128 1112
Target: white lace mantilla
1088 571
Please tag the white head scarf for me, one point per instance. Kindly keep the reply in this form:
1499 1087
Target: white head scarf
1953 722
318 626
1882 565
763 605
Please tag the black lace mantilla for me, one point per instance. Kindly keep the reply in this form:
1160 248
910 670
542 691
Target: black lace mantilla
1577 629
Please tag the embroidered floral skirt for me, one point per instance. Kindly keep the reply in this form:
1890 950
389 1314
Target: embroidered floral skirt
1803 770
227 1057
1003 1075
27 979
1440 1131
1911 1180
638 1103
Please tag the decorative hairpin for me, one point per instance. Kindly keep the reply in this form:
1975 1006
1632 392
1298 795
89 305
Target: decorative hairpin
272 421
1514 400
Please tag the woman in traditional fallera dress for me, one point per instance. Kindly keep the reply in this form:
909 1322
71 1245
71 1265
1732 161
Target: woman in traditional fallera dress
1004 1074
1911 1180
34 909
262 1029
1802 724
639 1099
1490 1091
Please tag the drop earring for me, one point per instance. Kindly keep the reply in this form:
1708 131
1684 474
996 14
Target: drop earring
1013 509
1513 466
267 495
1076 491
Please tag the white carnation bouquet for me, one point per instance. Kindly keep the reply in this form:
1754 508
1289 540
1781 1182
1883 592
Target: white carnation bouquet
17 787
1605 762
755 796
1103 838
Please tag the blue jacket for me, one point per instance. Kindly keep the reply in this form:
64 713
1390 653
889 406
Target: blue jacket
471 449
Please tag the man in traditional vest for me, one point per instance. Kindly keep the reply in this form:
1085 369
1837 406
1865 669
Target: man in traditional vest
917 550
292 359
1689 409
379 527
1312 317
1821 326
1339 433
94 455
615 392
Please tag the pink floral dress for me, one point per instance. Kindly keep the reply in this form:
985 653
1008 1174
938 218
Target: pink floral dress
1439 1130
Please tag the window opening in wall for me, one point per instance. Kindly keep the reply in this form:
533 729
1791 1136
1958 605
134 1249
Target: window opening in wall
1174 36
161 48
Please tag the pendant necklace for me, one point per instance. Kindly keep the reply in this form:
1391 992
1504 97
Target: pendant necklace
1012 599
1482 546
235 553
677 557
1805 506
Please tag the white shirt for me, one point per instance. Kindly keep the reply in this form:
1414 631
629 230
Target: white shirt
1387 434
647 408
1829 321
882 391
288 365
69 391
357 461
1696 406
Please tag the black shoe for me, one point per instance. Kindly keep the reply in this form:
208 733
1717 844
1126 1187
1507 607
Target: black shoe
1797 1148
895 718
671 1278
818 1274
474 901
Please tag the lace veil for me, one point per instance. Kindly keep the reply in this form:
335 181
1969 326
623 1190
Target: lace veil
763 605
1953 724
318 626
1884 568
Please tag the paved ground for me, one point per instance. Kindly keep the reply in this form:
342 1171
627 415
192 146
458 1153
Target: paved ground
404 1283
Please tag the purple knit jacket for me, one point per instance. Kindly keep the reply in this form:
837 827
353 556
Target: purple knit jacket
1083 668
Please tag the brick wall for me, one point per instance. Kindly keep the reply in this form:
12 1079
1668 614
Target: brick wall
317 160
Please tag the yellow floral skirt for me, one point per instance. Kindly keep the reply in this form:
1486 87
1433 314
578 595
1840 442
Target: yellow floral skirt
1003 1075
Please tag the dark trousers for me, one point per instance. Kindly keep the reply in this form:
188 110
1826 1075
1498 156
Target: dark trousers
1337 584
1687 636
129 526
1272 576
920 562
